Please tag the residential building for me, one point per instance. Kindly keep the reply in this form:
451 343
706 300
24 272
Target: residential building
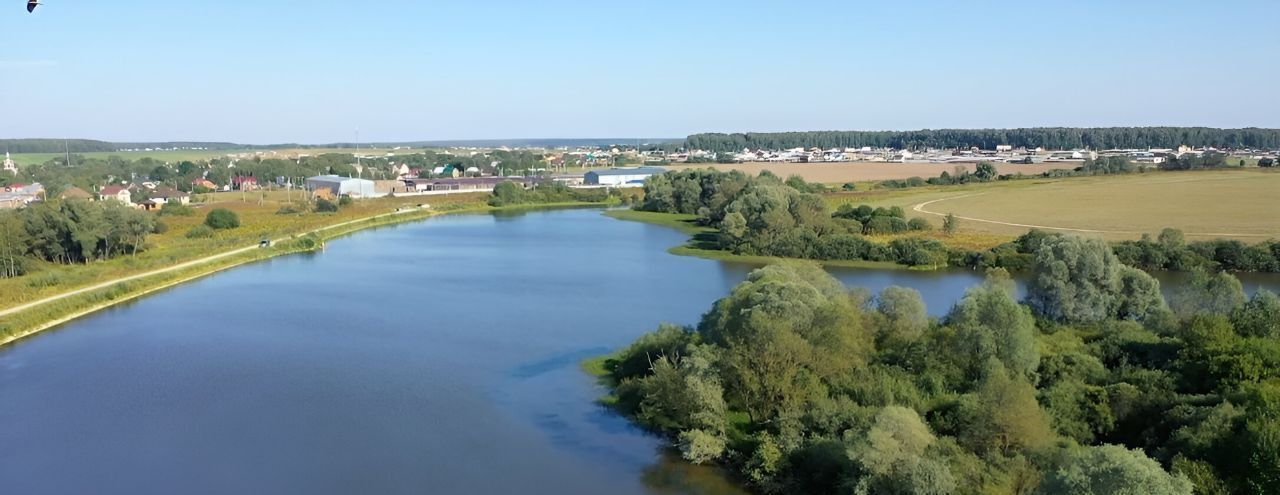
73 192
244 183
117 193
166 195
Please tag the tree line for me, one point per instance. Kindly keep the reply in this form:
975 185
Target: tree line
67 232
1092 384
513 193
767 216
1046 137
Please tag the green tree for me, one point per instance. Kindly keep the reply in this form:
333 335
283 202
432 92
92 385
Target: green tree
985 172
991 326
1219 293
222 219
13 245
1006 417
784 332
951 224
905 312
892 454
699 446
1112 470
1260 317
507 193
325 206
1079 280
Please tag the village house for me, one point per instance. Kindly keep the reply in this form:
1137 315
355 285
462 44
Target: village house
166 195
244 183
73 192
117 193
446 171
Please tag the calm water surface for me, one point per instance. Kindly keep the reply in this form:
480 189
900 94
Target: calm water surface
436 357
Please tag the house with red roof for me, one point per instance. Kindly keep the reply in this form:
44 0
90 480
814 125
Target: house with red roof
244 183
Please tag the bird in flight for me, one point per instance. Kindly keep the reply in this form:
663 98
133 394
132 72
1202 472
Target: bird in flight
31 5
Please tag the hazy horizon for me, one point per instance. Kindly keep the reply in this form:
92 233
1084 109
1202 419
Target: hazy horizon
268 72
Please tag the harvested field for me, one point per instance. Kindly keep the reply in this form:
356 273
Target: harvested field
1242 204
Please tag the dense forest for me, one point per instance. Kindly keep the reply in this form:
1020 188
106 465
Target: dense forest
767 216
1092 385
988 139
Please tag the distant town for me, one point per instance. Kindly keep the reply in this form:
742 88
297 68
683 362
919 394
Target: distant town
402 170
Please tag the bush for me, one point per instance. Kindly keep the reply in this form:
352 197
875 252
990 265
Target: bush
177 210
325 206
159 227
920 224
222 219
849 186
288 210
345 200
200 232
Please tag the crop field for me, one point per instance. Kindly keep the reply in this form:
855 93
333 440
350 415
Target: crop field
1241 204
839 173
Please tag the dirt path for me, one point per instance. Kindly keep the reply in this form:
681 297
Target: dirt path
921 209
180 266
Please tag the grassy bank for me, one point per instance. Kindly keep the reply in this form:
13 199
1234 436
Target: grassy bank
43 316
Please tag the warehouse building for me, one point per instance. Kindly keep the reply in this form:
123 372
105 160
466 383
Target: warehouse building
335 186
621 176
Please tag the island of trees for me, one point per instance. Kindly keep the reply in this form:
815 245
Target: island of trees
1046 137
1091 385
767 216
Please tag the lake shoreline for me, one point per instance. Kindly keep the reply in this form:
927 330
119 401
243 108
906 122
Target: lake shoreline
70 308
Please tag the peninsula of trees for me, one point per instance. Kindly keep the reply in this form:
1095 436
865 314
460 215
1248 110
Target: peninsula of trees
767 216
1092 384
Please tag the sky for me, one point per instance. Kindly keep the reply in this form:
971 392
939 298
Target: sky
318 71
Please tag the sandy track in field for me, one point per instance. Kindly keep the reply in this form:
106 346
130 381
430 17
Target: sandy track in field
920 208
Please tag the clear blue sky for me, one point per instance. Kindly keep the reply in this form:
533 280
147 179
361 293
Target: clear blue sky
311 71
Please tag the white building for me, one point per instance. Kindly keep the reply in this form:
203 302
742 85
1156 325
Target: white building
621 176
338 186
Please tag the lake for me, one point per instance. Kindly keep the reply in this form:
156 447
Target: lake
435 357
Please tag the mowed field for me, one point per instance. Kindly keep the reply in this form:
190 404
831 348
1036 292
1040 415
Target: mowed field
1241 204
838 173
